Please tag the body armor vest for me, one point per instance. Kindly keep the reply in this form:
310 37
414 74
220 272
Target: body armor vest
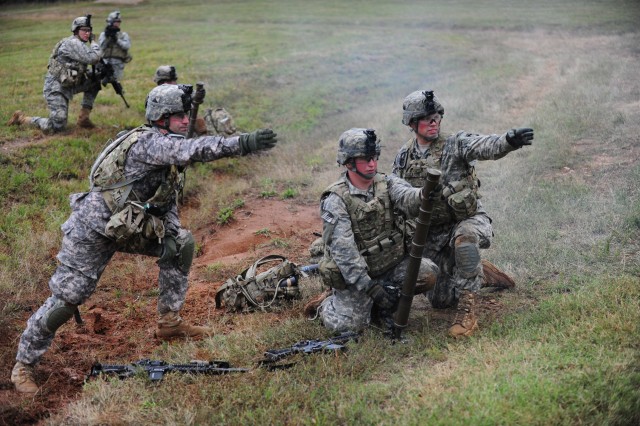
107 176
114 50
375 233
69 74
415 172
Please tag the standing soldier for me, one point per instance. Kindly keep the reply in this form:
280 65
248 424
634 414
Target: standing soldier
131 207
68 74
460 226
115 45
364 250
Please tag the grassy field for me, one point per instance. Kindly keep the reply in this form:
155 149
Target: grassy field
565 348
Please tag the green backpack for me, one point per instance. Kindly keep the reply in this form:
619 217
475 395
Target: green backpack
261 290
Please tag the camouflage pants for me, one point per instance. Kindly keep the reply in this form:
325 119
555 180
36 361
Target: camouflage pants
440 247
350 309
83 257
58 103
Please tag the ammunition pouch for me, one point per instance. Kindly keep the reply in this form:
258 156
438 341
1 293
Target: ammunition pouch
330 274
383 254
133 219
464 204
262 290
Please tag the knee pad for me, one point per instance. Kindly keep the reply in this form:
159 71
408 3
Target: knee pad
467 259
187 251
58 314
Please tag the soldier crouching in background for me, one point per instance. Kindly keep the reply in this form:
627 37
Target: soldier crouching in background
215 121
131 207
68 74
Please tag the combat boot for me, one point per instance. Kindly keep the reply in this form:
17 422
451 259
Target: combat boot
83 119
494 277
465 321
171 325
22 378
18 118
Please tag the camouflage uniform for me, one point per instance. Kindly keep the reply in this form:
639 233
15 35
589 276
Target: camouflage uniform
70 52
86 250
115 51
350 308
455 156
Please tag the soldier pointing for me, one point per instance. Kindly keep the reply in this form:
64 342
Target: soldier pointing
460 226
131 207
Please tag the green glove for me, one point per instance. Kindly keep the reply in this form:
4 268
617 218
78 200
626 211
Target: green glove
169 250
258 140
380 297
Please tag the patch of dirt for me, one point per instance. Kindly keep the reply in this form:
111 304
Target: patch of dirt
119 319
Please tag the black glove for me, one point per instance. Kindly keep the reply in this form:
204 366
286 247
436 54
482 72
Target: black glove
519 137
111 32
258 140
169 250
380 296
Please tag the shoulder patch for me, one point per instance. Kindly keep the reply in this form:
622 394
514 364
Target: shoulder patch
328 217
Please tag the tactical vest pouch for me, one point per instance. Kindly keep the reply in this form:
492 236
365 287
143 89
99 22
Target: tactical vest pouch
262 290
330 274
464 204
133 219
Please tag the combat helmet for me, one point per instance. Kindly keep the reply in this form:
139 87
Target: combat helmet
356 143
167 99
113 17
81 21
165 73
418 104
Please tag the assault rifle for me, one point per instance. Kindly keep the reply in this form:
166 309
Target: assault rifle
306 347
106 73
157 369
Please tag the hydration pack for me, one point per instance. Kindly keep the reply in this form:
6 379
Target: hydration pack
262 290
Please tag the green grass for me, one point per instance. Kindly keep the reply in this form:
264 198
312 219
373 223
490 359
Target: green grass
566 211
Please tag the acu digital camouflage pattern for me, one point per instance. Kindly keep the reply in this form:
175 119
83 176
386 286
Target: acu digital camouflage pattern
350 309
86 250
116 52
68 74
456 161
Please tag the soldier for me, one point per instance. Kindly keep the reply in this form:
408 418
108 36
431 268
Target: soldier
364 253
165 74
115 45
460 226
215 122
131 207
68 74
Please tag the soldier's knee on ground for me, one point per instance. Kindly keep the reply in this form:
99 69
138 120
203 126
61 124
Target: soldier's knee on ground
467 254
427 276
57 315
58 120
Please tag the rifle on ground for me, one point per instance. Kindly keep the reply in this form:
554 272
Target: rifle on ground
195 104
417 246
107 75
333 344
156 369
